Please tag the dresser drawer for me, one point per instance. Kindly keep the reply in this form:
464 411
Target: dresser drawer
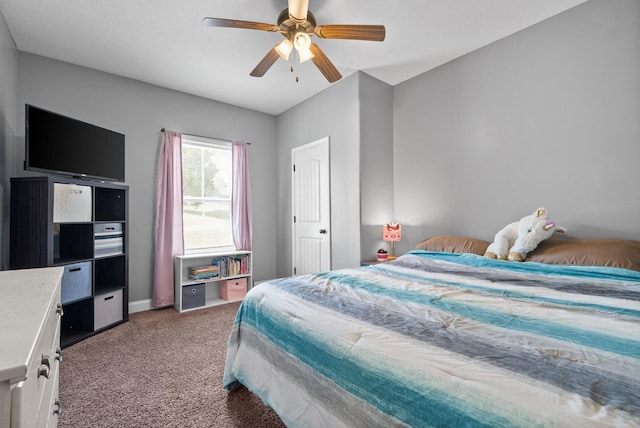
32 398
47 416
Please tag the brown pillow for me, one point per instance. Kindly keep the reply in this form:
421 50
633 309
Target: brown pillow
453 244
620 253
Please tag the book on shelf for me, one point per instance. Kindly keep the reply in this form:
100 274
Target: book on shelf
204 272
233 265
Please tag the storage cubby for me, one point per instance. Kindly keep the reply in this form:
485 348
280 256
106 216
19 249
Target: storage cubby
111 204
110 273
81 225
205 289
72 242
77 321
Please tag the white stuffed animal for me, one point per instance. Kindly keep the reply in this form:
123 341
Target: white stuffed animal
519 238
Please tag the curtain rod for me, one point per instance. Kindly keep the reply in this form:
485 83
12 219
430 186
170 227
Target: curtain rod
213 138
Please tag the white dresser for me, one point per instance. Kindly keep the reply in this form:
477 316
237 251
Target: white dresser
30 313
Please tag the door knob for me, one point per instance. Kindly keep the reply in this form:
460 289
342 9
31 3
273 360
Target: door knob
323 231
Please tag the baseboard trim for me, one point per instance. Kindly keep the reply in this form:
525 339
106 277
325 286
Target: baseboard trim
140 306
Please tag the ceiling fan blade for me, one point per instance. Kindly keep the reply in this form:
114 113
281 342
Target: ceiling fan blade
375 33
298 10
266 63
325 66
235 23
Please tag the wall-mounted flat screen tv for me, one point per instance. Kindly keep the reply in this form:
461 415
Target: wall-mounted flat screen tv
58 144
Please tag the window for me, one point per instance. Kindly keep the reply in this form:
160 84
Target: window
206 189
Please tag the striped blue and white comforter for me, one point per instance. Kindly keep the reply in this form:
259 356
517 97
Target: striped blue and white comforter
444 340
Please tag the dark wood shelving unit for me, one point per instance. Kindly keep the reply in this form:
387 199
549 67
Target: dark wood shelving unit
57 221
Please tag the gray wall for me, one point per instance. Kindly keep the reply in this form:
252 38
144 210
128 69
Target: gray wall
547 117
376 164
139 111
333 113
356 115
8 126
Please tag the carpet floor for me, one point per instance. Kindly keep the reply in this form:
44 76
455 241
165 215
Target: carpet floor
159 369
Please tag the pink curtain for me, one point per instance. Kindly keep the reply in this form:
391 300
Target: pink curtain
241 196
169 240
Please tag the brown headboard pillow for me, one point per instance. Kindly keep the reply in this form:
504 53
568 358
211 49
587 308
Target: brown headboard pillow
620 253
453 244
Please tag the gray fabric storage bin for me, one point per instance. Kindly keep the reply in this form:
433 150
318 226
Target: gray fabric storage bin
107 309
192 296
76 282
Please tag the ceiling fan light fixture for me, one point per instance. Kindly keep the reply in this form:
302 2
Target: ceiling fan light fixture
305 55
284 48
301 41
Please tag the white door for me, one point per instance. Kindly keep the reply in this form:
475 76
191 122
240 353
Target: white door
311 208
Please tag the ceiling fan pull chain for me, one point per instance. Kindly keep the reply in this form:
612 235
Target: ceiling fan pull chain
297 80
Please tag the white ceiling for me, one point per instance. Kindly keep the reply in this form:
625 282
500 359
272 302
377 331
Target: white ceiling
164 42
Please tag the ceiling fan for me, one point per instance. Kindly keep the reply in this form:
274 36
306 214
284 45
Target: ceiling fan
297 24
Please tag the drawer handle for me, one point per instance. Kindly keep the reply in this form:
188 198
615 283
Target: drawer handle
75 269
109 298
58 409
59 310
45 367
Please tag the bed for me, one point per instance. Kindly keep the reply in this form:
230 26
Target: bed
443 337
